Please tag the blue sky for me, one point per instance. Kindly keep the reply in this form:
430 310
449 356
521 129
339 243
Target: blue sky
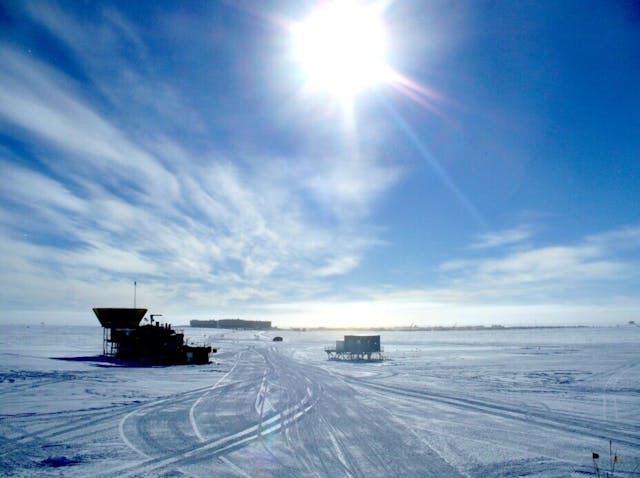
176 144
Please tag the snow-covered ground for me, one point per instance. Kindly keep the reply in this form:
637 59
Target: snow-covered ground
447 403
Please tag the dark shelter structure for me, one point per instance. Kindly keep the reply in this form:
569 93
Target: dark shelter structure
356 347
150 344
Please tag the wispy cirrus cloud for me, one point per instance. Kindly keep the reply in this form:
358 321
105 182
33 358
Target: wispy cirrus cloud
104 201
550 270
503 238
349 186
123 165
593 281
338 266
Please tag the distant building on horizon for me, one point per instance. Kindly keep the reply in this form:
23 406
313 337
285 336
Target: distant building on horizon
232 324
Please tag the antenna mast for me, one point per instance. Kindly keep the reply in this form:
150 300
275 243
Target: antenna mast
134 293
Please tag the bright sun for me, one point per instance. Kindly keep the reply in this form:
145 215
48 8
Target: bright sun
342 48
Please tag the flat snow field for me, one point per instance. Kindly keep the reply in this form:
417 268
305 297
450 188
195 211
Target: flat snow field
503 403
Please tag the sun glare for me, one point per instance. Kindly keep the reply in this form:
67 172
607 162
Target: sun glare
342 48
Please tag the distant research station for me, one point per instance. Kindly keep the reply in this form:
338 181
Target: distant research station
233 324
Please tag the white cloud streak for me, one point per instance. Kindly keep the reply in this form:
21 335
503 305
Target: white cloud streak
548 271
113 194
338 266
588 283
503 238
100 206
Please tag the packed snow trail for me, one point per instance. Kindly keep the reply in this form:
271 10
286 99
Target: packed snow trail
265 409
335 431
293 418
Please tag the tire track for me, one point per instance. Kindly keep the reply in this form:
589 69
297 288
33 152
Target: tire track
352 434
614 378
206 448
569 424
164 405
192 419
218 446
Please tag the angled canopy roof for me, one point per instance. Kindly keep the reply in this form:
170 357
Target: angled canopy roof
115 318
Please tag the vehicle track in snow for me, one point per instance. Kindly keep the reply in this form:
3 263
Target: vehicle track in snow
305 418
249 424
610 405
56 426
555 420
176 430
315 425
80 430
350 434
169 425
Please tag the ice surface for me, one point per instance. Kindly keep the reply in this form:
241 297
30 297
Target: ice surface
446 403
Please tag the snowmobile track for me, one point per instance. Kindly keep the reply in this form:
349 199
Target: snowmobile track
554 421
